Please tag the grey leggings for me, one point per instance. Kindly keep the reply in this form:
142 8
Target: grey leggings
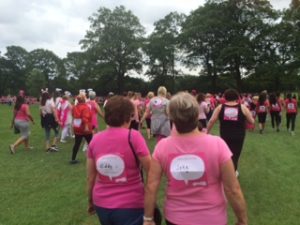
23 126
48 131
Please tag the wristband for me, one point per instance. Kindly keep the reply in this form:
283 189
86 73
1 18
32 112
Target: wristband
148 219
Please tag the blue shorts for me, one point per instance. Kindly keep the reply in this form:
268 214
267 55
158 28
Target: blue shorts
120 216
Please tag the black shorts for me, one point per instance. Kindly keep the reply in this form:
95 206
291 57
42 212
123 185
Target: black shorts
48 121
148 122
262 117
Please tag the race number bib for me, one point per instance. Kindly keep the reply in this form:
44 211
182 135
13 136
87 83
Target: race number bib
291 106
157 102
262 108
77 122
111 169
275 107
187 170
231 114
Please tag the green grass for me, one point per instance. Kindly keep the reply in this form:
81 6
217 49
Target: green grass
37 188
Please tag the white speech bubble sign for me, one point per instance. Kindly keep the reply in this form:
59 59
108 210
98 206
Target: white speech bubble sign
231 112
157 101
187 167
110 165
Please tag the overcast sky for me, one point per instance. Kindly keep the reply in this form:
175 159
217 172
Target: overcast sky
59 25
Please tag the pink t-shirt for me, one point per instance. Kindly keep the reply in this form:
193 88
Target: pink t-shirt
118 183
21 114
203 108
136 104
192 165
93 107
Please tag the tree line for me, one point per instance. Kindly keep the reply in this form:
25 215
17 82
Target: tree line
243 44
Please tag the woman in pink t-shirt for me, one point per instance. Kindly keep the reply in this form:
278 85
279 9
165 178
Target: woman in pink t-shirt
115 185
147 117
203 110
199 170
21 120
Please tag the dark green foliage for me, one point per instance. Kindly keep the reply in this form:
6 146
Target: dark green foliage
113 43
241 44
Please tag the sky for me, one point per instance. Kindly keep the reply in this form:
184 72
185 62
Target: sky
59 25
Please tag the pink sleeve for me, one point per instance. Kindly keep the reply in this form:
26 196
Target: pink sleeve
160 155
139 144
224 152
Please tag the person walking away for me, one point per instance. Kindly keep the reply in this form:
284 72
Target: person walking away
281 103
65 116
135 119
252 108
203 110
291 108
275 110
150 95
232 116
115 186
21 118
160 123
82 125
198 170
261 110
49 121
95 110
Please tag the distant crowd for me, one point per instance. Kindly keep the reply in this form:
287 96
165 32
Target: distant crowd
200 168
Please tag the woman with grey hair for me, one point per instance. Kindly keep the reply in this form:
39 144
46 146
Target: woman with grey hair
160 123
199 170
95 110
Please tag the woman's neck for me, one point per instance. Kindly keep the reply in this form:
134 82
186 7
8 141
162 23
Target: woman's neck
189 134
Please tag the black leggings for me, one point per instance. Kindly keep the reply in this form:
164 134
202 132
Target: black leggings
290 118
235 145
275 119
78 139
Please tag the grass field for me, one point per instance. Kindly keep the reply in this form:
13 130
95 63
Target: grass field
38 188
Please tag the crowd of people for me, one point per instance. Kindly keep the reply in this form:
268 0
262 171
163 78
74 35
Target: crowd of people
201 169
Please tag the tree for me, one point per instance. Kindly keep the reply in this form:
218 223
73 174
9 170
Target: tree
48 63
79 68
113 43
202 39
245 23
162 48
35 81
18 56
295 4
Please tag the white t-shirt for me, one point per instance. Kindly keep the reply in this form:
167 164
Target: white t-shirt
47 108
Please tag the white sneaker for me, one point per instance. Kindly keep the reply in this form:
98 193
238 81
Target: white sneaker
63 141
85 147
